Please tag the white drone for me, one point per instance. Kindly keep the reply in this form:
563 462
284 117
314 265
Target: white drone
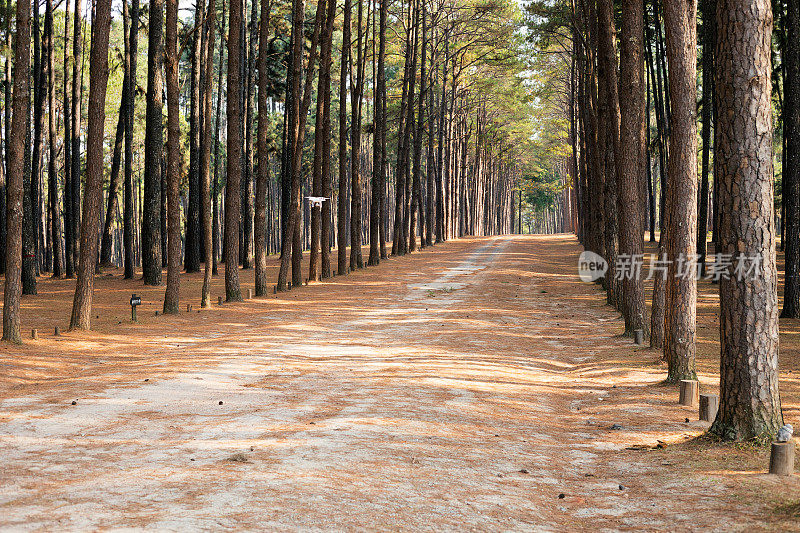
316 201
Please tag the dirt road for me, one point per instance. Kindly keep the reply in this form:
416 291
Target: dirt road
472 386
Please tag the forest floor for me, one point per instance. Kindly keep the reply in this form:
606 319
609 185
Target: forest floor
471 386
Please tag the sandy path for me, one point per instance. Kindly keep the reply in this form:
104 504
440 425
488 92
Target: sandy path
466 390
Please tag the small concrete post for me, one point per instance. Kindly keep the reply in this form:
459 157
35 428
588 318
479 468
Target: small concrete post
34 334
57 331
638 337
709 404
690 392
781 460
249 294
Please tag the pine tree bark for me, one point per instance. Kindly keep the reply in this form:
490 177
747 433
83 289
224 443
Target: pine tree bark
262 179
7 81
417 205
75 135
608 120
32 217
82 304
193 227
233 292
52 186
399 243
205 161
356 100
173 289
327 175
749 401
248 207
379 138
431 151
341 215
106 238
321 132
630 154
708 13
681 291
69 263
215 220
152 203
129 106
791 172
14 183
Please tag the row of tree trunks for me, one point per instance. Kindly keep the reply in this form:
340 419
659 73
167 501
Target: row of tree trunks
737 85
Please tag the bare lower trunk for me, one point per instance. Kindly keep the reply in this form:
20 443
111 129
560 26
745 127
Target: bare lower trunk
791 174
378 159
75 135
128 104
681 292
356 99
232 190
14 184
51 161
151 248
341 234
262 180
172 294
630 173
106 238
749 401
205 161
82 305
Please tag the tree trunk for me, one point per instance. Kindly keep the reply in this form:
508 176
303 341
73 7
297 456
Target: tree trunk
82 306
327 176
246 251
233 196
791 172
215 222
320 172
608 119
417 204
630 174
51 161
379 137
106 239
69 263
6 131
341 215
172 294
75 136
262 180
32 218
14 184
129 106
152 260
205 161
193 227
749 400
681 291
356 100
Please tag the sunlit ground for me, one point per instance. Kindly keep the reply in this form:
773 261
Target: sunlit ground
469 386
